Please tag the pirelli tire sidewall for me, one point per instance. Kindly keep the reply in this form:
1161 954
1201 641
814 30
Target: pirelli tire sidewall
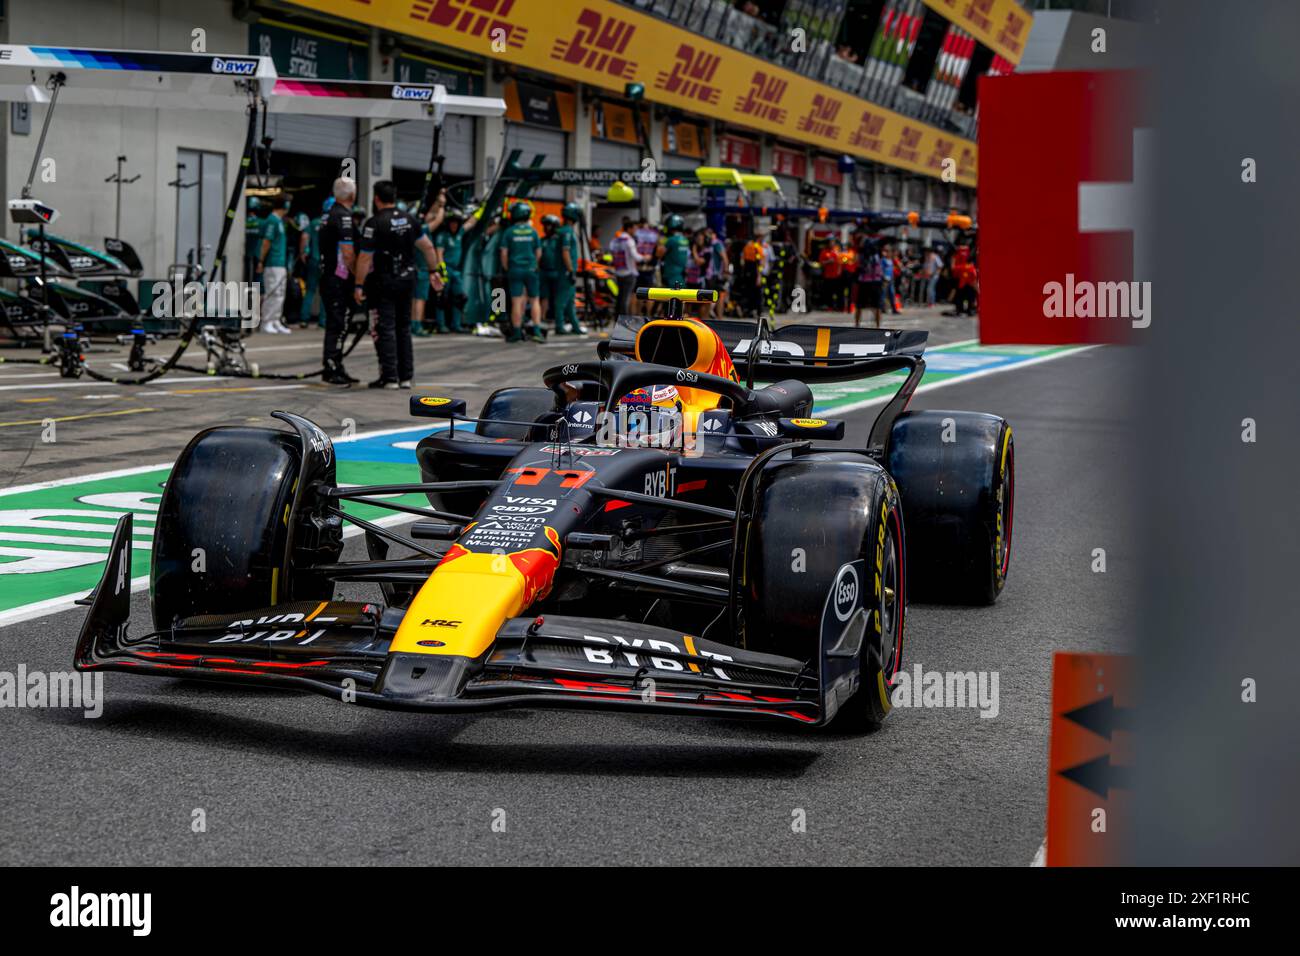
223 524
812 515
956 473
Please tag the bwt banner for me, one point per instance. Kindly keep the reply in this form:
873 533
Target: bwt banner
1065 166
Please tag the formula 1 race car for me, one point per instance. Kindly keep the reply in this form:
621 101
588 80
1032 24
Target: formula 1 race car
648 531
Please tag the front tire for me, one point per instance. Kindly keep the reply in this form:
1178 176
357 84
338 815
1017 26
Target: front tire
223 526
812 516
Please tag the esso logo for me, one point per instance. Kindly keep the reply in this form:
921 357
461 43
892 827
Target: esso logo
845 594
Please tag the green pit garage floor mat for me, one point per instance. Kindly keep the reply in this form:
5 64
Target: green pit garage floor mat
54 535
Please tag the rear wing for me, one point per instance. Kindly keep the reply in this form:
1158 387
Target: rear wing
808 353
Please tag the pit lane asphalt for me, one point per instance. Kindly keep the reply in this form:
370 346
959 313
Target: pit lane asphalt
291 778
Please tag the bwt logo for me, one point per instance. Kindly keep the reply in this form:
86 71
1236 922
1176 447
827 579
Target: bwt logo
234 67
412 93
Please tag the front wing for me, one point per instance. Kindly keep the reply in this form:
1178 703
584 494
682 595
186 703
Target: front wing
340 649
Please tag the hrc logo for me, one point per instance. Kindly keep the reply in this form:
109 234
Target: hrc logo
599 44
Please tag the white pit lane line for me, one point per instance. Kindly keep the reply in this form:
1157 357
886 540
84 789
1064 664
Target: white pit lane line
959 379
91 383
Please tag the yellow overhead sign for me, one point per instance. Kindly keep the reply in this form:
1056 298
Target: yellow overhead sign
608 45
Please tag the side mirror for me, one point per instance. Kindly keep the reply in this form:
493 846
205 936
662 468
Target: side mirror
431 406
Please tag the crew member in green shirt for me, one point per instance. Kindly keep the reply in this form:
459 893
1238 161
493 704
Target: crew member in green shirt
448 243
272 261
551 265
566 311
309 256
674 252
492 275
521 250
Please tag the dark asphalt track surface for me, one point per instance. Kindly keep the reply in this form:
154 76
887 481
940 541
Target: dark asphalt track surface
286 778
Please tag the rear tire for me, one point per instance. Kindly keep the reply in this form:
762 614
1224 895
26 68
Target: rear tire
956 473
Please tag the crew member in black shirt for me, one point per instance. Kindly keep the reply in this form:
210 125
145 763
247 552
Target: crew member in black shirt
338 259
390 240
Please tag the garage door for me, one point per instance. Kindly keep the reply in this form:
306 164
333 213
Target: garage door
413 139
550 143
607 154
790 189
313 135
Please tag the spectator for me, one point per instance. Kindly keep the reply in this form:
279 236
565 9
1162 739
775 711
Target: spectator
717 272
887 279
932 270
626 267
832 266
647 245
870 282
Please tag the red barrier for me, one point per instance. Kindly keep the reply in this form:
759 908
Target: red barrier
1059 204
